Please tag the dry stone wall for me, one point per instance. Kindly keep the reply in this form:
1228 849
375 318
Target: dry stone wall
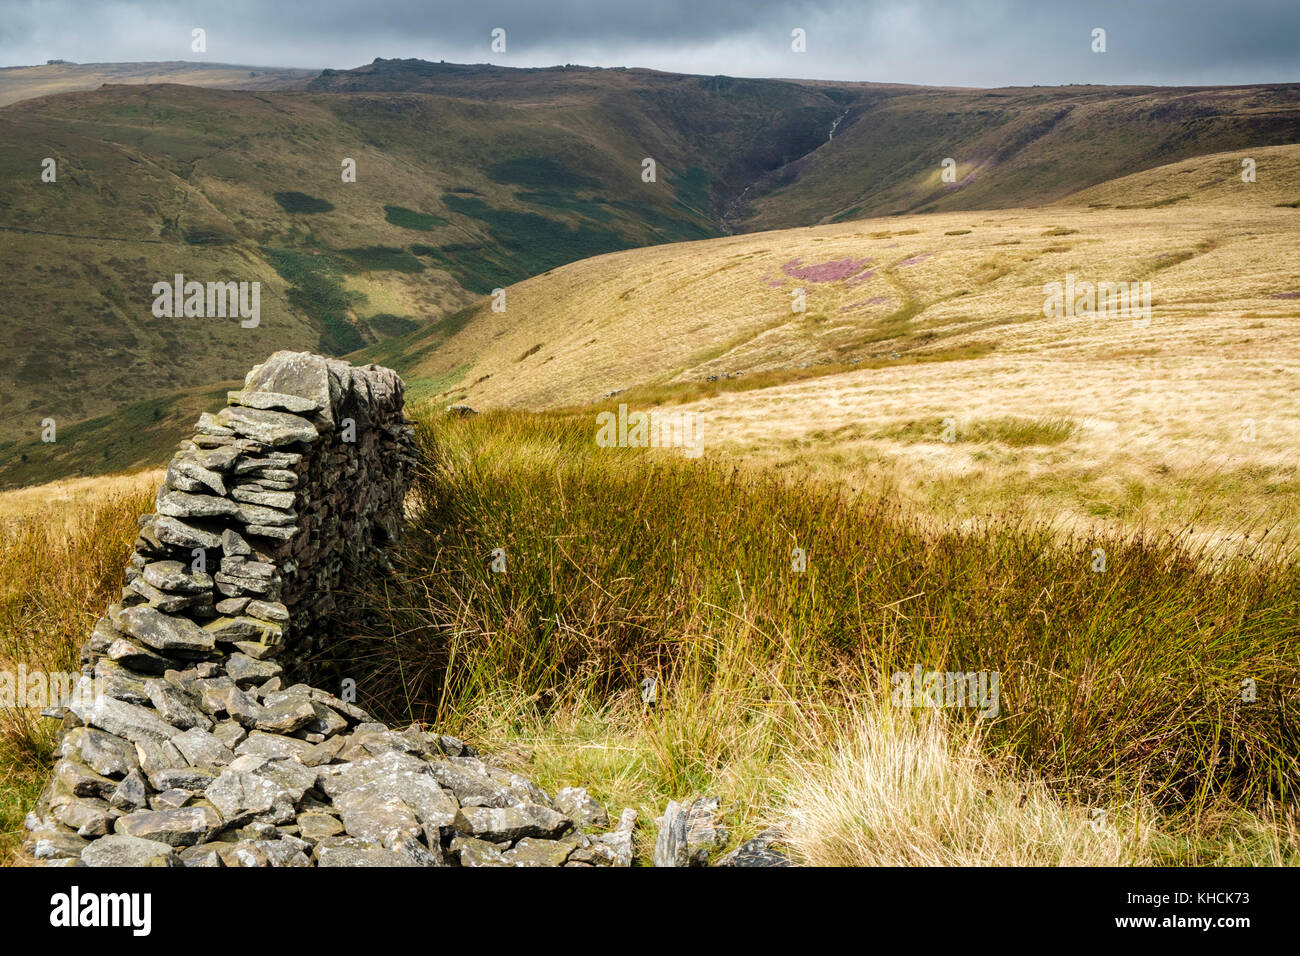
186 745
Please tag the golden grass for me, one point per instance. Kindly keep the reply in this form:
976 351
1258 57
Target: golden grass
1187 421
64 503
894 789
60 566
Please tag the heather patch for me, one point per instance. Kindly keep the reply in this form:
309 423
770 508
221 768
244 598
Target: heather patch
834 271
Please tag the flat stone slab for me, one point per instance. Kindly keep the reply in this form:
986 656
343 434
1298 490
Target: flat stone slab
165 632
270 427
120 850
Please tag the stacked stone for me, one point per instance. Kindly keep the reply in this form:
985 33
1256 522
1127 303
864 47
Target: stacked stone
184 746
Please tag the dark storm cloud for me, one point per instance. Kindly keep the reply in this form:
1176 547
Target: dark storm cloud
939 42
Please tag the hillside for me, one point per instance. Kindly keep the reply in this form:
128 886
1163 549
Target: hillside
1013 147
452 199
27 82
909 322
472 178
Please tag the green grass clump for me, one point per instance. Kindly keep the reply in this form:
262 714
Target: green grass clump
297 202
383 259
1011 430
539 172
410 219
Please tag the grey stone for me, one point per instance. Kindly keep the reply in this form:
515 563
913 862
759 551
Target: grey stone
243 670
119 683
233 544
358 856
217 459
316 826
175 576
195 475
298 374
104 753
285 714
183 827
176 706
177 533
181 504
202 854
122 719
533 852
181 778
119 850
395 775
474 852
273 400
689 833
262 516
229 733
240 796
757 852
155 755
274 745
163 601
506 824
233 630
77 779
577 804
271 427
251 494
131 655
131 794
268 611
165 633
201 748
90 817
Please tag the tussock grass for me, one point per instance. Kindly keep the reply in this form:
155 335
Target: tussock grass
1120 689
897 790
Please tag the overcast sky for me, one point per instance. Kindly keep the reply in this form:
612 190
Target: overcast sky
938 42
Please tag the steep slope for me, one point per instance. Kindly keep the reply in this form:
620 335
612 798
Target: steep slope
1012 147
451 200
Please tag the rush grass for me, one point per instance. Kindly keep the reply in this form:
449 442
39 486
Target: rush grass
1117 685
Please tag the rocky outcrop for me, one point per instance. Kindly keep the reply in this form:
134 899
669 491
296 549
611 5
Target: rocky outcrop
187 744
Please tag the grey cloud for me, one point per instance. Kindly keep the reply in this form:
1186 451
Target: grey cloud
935 42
